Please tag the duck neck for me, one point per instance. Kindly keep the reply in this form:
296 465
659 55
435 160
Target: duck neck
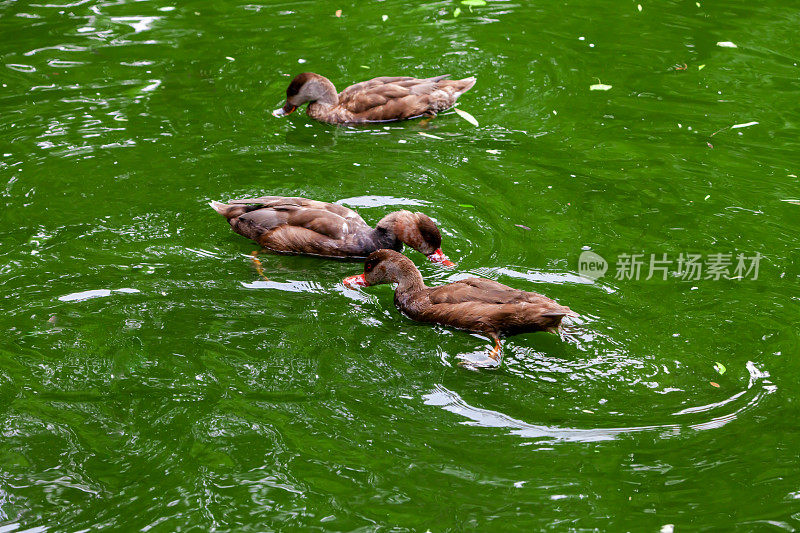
408 281
384 237
323 92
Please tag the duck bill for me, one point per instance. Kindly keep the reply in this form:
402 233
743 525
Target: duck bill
355 281
439 257
285 110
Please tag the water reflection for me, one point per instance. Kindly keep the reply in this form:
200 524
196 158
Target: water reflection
216 403
758 387
94 293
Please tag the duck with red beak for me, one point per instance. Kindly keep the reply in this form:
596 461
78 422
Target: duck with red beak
293 225
474 304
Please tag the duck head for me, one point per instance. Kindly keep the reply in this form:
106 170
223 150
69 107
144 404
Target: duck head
387 266
418 231
307 87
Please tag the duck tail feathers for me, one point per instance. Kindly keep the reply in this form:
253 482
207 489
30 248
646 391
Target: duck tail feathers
219 207
464 85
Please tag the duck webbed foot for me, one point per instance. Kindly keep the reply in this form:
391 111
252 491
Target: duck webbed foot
425 122
490 360
258 265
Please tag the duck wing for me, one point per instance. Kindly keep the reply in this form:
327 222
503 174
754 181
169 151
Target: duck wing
479 290
297 225
487 306
376 84
284 202
397 98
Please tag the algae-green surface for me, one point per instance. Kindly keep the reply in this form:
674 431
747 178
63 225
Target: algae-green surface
184 393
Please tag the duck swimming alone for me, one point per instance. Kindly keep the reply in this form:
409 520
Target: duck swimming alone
474 304
308 227
377 100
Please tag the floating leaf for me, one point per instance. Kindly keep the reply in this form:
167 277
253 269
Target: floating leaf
523 227
700 67
726 44
474 3
495 152
364 66
384 17
788 201
466 205
714 384
466 116
456 12
639 7
719 367
430 135
338 13
707 197
599 87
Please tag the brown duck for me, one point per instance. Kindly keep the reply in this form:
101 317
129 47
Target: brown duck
308 227
474 304
377 100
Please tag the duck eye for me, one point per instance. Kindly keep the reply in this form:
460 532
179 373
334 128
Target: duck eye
369 267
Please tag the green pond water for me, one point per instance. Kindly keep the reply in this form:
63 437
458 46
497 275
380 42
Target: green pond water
151 380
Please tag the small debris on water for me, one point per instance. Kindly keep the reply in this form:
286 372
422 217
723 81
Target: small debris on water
599 86
466 116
